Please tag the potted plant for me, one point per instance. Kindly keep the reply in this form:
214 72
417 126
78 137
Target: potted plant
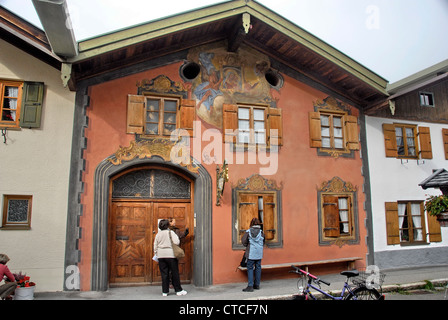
438 206
25 288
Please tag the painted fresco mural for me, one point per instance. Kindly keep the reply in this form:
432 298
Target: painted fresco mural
228 78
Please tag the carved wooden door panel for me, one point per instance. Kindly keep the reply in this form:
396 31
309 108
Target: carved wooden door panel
133 227
180 212
130 243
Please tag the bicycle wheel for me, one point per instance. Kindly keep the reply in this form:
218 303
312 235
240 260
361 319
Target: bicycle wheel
364 293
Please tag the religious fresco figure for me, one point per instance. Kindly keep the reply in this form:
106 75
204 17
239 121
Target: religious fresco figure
228 78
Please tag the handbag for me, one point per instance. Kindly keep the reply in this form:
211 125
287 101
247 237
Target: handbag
243 262
178 251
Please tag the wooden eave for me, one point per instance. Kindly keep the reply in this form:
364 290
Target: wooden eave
27 37
270 33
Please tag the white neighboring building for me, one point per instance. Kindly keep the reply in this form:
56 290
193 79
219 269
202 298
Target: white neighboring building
35 150
405 146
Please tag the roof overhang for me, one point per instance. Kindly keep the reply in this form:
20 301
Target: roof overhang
27 37
269 33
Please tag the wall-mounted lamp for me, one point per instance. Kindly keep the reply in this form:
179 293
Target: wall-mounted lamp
222 176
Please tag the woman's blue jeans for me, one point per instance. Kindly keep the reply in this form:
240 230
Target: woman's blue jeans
251 265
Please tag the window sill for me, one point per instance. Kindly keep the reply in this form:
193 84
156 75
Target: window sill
15 228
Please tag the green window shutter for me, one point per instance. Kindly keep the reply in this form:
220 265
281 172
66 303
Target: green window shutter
32 99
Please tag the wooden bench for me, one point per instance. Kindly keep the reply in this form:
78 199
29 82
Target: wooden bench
305 264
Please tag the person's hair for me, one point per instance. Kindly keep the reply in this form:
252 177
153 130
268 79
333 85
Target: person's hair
255 222
3 258
164 224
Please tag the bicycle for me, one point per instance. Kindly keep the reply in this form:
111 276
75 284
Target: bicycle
361 291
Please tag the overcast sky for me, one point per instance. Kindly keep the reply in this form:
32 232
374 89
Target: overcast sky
393 38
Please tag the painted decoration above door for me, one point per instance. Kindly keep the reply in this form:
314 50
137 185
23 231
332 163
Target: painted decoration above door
228 78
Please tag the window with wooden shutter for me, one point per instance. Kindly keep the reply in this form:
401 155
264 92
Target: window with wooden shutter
405 223
338 217
257 197
407 141
159 115
261 206
10 103
337 213
333 132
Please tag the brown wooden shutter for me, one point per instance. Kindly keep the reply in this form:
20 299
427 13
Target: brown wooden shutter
275 123
445 141
351 129
315 130
269 211
425 142
392 228
187 115
435 233
136 114
331 216
390 140
230 122
248 205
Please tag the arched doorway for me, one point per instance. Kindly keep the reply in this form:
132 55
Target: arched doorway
141 197
202 272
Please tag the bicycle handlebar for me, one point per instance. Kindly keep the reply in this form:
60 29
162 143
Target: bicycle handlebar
298 270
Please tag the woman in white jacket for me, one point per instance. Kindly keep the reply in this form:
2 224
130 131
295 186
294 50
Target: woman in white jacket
167 262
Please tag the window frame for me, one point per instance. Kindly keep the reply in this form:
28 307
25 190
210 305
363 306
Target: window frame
410 221
16 123
252 133
331 128
257 186
403 127
161 114
22 225
352 234
422 95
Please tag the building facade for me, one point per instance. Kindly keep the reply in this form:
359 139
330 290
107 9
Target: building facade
36 124
406 143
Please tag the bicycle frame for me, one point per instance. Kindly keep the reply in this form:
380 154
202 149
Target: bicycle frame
307 291
311 277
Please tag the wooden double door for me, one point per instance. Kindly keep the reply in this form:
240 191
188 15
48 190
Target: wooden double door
132 229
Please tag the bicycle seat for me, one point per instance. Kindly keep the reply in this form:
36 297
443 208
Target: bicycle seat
349 274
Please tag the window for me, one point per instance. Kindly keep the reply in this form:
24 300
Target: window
402 141
257 197
10 103
159 116
337 213
405 224
333 132
20 104
426 99
251 125
406 140
16 212
246 125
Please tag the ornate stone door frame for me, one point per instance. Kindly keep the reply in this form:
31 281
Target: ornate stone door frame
202 267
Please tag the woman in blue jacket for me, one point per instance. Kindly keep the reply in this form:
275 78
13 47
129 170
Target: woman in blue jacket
253 239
